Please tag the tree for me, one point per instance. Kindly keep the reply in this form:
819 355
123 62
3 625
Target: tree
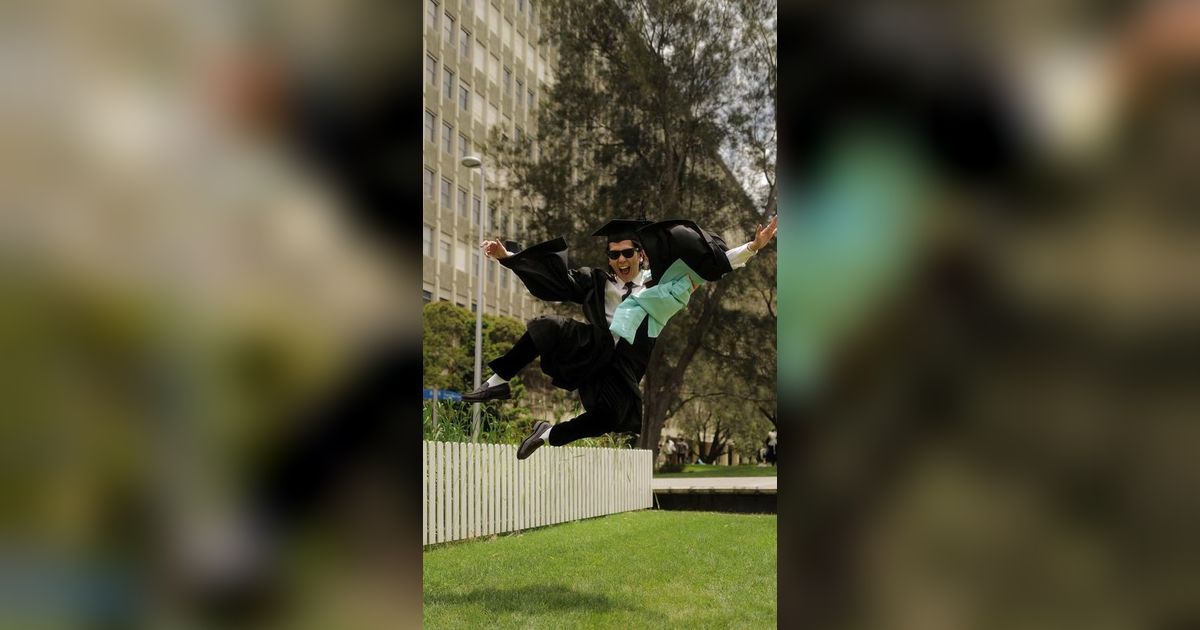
448 349
447 361
650 97
721 408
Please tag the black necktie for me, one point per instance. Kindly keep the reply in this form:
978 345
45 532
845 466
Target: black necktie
628 290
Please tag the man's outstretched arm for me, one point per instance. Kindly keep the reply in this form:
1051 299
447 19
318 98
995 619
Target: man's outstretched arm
740 255
543 269
762 236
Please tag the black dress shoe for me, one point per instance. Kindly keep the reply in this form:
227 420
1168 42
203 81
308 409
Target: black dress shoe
485 393
534 440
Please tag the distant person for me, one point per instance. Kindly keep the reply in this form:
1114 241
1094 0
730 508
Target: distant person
670 450
772 442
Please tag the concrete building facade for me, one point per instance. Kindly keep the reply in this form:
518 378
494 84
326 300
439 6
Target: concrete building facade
482 67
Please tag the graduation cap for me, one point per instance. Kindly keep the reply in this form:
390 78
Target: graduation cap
619 230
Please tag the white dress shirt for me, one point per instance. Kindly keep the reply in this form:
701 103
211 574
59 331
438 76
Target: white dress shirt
615 289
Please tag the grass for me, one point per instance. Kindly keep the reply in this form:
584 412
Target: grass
646 569
750 470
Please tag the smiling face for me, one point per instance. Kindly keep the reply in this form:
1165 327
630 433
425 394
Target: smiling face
625 268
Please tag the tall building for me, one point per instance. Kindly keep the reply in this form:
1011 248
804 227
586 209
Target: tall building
482 67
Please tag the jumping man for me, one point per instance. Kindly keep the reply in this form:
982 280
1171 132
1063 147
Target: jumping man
652 270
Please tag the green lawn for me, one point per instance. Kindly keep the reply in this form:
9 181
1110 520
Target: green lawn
746 470
646 569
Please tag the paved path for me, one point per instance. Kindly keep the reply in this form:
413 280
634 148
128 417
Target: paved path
718 484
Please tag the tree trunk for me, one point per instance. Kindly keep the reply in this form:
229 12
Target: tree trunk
716 446
660 392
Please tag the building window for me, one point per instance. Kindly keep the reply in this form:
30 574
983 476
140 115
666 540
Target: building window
430 126
507 83
445 250
532 101
475 210
446 186
460 257
494 20
464 98
520 93
519 49
504 279
491 271
493 114
431 67
448 83
426 296
463 147
448 138
465 46
508 31
474 272
462 203
479 57
431 13
427 182
479 107
520 6
494 69
450 29
474 306
426 241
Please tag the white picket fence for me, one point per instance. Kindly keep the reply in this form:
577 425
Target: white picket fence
471 490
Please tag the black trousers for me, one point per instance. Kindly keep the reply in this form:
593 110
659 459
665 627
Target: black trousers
591 423
602 416
521 354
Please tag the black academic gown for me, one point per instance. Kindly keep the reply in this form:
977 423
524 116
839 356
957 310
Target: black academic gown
667 241
578 355
581 355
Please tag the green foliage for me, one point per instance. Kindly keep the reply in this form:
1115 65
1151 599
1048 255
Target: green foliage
446 346
497 426
694 470
448 362
665 101
608 440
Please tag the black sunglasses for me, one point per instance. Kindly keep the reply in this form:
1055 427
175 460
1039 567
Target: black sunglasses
628 253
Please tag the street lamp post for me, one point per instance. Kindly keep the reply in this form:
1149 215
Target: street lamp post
473 162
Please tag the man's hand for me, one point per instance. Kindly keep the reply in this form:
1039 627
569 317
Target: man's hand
763 235
494 249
